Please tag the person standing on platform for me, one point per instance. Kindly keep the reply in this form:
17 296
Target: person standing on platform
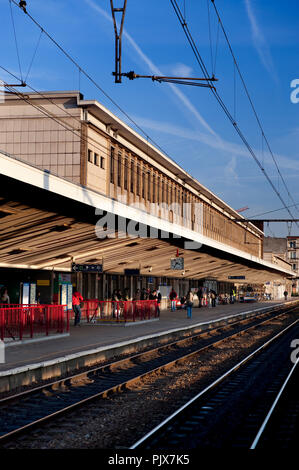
127 294
213 297
189 304
159 301
76 301
172 297
4 296
159 298
155 296
285 295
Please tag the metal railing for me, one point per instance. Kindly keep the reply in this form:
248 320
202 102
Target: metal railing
118 311
27 321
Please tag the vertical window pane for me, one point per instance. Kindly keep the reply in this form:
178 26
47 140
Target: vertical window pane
126 173
149 186
112 165
138 180
143 184
132 176
119 169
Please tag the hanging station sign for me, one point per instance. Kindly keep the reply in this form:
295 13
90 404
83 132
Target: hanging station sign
87 268
132 272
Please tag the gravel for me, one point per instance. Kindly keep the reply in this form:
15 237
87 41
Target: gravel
116 422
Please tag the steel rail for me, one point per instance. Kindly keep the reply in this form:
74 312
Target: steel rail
121 386
273 407
210 387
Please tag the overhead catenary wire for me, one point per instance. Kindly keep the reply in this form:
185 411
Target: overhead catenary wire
124 162
251 101
16 40
34 54
89 77
98 146
124 112
269 212
220 101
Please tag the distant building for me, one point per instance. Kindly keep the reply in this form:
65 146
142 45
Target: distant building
283 251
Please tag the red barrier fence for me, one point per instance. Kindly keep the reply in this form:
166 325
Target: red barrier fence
22 321
118 311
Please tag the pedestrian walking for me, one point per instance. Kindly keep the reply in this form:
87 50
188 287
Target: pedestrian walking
77 302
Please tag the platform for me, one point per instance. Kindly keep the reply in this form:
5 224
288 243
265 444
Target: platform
31 363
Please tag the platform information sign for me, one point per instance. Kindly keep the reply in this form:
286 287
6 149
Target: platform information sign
236 277
132 272
87 268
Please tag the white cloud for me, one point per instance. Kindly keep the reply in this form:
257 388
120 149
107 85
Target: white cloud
218 144
260 41
180 70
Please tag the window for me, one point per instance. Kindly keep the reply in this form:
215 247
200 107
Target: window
126 173
159 186
96 159
293 255
293 244
294 267
143 183
138 180
119 169
112 165
103 163
90 156
149 185
132 176
154 188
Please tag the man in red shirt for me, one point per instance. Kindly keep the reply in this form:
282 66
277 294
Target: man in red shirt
77 299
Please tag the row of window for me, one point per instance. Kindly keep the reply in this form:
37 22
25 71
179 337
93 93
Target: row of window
147 183
96 159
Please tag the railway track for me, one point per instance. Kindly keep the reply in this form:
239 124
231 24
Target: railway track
280 428
21 412
244 408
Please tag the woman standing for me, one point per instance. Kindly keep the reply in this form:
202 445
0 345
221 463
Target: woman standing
189 304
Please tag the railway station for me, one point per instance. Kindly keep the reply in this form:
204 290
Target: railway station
117 216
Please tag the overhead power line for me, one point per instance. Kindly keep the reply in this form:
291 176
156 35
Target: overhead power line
251 102
221 102
87 75
77 133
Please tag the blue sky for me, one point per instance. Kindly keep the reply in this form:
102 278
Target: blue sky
186 122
